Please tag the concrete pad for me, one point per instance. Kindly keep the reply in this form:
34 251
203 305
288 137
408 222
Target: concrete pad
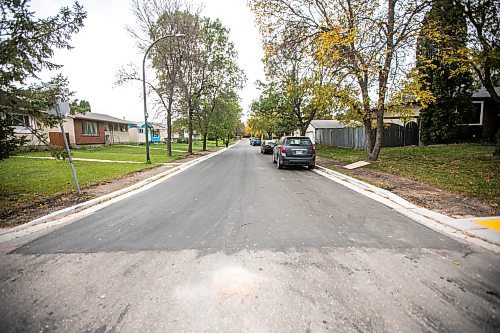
356 165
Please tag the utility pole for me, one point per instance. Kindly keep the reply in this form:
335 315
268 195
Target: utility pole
146 128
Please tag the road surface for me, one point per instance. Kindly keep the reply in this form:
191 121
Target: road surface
233 244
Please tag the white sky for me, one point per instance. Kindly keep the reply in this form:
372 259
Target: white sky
103 46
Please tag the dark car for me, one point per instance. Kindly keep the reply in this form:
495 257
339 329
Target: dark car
256 142
294 150
267 146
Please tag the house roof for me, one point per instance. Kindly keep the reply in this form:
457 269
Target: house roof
326 124
101 117
151 125
483 93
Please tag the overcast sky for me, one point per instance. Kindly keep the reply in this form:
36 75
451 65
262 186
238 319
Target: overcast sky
103 46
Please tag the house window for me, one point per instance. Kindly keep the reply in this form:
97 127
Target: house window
90 128
477 115
141 131
123 128
18 120
155 133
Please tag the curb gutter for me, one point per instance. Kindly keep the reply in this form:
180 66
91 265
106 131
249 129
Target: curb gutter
464 229
86 208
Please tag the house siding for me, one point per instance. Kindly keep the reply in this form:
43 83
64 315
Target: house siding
84 139
490 119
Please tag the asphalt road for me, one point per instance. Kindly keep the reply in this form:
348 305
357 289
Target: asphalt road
233 244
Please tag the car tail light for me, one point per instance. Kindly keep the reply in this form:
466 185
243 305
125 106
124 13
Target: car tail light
314 150
283 150
267 146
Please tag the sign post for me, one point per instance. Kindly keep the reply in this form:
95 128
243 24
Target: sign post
62 109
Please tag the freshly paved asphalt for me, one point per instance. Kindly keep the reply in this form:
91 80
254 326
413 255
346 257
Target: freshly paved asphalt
234 244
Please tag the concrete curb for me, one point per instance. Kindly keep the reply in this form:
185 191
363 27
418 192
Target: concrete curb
463 229
86 208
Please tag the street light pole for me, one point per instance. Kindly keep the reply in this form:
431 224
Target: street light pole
146 128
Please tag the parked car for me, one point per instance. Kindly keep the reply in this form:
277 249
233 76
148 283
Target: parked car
251 140
256 142
294 150
267 146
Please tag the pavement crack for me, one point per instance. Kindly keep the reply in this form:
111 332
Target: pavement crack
120 318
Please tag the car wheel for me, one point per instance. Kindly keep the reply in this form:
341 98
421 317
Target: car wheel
310 167
278 164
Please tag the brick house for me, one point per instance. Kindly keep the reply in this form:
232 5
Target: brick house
92 129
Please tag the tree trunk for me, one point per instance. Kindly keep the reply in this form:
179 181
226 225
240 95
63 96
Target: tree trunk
216 142
496 153
379 140
190 127
382 81
204 141
367 123
169 128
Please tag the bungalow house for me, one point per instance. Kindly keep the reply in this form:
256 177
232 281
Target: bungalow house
91 129
157 132
486 119
21 123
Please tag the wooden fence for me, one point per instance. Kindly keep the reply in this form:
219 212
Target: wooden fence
394 136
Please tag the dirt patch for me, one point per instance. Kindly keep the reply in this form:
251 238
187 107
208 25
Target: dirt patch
38 208
443 201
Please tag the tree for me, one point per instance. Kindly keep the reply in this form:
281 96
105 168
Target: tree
226 117
27 44
360 47
154 20
9 143
192 72
483 48
222 73
269 113
443 35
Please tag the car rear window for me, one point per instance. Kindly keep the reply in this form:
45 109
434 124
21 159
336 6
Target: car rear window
299 142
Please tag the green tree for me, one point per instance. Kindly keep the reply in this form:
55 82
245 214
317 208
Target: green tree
26 46
442 36
226 117
222 73
269 113
9 143
483 47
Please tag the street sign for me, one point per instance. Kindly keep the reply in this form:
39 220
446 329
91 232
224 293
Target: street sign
61 108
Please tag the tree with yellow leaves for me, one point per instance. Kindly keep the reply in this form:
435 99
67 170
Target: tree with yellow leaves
361 46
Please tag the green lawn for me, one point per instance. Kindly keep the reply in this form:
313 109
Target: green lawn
158 152
464 168
24 180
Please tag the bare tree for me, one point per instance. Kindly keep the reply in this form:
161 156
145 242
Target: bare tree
156 19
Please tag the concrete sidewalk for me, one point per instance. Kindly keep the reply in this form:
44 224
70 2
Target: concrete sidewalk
93 160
